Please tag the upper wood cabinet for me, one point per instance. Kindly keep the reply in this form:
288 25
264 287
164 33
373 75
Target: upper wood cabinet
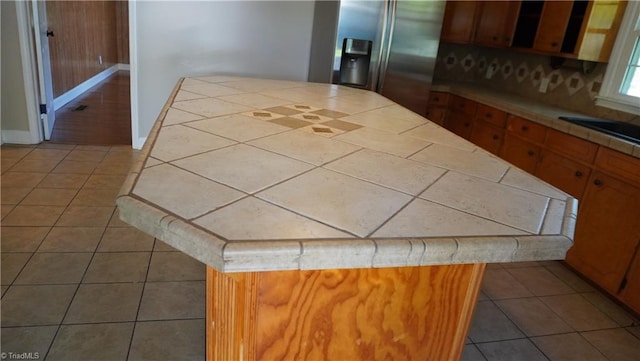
553 25
459 21
600 29
496 23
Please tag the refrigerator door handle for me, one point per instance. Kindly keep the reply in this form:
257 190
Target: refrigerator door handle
390 22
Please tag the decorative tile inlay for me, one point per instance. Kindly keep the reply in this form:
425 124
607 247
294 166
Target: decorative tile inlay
594 86
322 130
468 62
574 83
284 110
494 66
522 72
555 79
342 125
450 61
482 64
536 75
506 70
330 113
290 122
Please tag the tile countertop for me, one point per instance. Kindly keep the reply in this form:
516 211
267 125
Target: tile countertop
256 175
538 112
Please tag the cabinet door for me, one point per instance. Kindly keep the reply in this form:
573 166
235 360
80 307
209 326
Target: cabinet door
600 31
607 231
487 136
630 293
553 24
459 21
463 105
526 129
562 172
520 153
437 114
496 23
460 124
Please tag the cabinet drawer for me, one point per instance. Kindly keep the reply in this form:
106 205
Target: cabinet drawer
460 124
491 115
439 98
619 164
520 153
527 129
463 105
487 136
437 115
563 173
571 146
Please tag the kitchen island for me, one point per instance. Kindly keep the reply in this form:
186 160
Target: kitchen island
334 223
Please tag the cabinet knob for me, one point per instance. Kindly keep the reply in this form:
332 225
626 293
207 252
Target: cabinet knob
488 115
531 153
597 182
467 125
436 99
524 128
578 174
495 38
554 44
496 137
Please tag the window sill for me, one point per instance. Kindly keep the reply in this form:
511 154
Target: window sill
629 106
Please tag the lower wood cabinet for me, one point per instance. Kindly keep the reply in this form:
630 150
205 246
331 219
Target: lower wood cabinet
520 153
460 124
563 173
607 235
487 136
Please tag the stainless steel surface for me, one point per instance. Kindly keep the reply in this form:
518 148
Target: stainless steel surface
405 35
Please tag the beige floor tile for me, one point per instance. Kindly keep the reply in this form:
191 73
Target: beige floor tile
243 167
12 264
388 171
115 220
64 180
92 147
533 317
634 330
393 119
105 181
113 168
176 116
608 307
540 281
86 155
125 239
303 194
82 216
170 147
569 277
160 246
72 239
75 167
180 340
12 196
491 324
49 154
14 152
47 145
54 268
114 302
435 134
254 100
186 194
33 216
305 147
49 197
471 353
99 342
578 312
172 300
210 108
36 305
118 267
25 340
34 166
211 90
511 350
96 197
568 347
22 239
20 180
7 164
500 284
5 209
175 266
616 344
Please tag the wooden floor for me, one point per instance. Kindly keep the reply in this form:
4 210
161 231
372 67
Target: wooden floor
101 116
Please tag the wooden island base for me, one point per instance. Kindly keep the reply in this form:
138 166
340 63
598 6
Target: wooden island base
404 313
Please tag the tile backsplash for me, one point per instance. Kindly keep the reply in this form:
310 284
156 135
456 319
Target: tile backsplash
523 74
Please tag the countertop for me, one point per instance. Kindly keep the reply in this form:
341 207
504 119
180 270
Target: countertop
257 175
539 112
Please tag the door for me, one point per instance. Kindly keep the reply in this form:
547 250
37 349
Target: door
43 63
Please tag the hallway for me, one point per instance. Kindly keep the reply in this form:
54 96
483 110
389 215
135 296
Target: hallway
100 116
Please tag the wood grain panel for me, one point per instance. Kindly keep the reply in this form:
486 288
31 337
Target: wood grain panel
122 31
409 313
83 31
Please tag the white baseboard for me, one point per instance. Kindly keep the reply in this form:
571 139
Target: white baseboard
138 143
18 137
65 98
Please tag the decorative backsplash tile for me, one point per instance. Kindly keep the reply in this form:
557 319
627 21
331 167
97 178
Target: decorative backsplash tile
522 73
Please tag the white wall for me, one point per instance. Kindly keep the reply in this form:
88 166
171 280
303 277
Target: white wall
183 38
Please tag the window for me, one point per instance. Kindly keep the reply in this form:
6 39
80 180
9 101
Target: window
621 86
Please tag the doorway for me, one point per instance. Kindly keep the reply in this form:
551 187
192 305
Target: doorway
88 45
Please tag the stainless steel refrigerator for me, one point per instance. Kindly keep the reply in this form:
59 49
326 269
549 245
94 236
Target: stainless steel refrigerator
404 36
